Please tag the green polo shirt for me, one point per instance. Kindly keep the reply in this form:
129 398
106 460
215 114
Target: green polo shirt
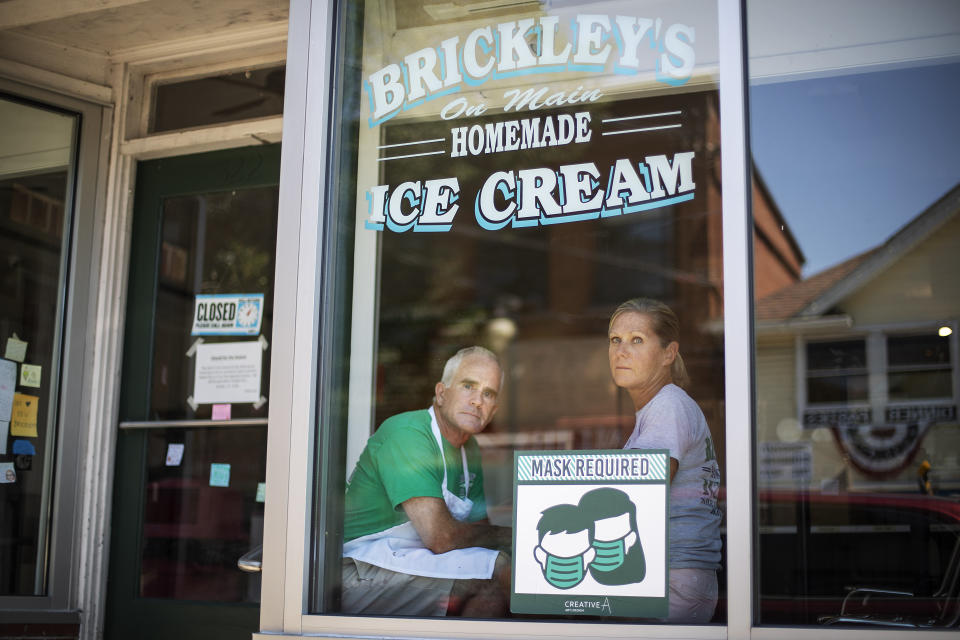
402 461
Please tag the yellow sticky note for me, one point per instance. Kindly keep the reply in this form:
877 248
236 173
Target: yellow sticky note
24 419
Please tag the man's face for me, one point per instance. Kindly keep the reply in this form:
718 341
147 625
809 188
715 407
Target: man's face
468 404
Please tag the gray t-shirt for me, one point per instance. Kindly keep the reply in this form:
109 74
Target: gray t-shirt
673 421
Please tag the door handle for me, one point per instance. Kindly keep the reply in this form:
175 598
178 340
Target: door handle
250 561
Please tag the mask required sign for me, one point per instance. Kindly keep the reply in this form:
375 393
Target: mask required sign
590 533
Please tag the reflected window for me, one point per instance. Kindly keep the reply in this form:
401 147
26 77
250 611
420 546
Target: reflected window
836 372
919 367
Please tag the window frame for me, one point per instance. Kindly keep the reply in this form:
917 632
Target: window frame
70 511
298 367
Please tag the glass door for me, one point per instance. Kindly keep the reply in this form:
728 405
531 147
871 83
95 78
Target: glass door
189 484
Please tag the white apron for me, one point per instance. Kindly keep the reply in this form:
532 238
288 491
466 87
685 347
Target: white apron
400 549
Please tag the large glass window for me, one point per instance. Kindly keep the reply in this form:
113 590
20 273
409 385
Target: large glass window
856 351
36 193
507 176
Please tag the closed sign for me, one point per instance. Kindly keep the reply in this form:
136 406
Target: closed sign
227 315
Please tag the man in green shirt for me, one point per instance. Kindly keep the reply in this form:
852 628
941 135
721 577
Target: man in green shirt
417 537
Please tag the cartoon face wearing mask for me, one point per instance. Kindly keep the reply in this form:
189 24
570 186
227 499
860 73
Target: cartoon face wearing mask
619 555
564 552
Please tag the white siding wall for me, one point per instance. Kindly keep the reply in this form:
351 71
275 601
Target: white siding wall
922 286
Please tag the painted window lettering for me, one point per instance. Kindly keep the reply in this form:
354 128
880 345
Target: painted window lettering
427 206
517 135
502 51
540 196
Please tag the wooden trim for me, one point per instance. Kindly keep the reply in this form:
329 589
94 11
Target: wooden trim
51 81
19 13
237 39
241 134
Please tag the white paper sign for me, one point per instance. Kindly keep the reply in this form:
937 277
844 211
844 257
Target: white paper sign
784 463
228 372
227 314
8 386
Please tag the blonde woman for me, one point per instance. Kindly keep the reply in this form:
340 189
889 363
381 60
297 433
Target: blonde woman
645 360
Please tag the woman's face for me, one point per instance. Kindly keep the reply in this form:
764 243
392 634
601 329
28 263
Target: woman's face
638 360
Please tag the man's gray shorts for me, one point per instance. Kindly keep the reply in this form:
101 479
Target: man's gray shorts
367 588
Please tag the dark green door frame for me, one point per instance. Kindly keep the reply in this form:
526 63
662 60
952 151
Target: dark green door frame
128 615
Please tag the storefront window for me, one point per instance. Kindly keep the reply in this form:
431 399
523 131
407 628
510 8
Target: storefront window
36 191
508 176
856 352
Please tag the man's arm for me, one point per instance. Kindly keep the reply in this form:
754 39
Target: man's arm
441 533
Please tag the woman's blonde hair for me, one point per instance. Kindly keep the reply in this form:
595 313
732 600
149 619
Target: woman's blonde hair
665 325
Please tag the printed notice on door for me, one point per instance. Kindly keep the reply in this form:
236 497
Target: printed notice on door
228 372
590 533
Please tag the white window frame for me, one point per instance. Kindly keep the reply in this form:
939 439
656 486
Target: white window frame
295 357
295 361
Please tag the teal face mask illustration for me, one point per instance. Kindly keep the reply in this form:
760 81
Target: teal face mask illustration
610 555
564 573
